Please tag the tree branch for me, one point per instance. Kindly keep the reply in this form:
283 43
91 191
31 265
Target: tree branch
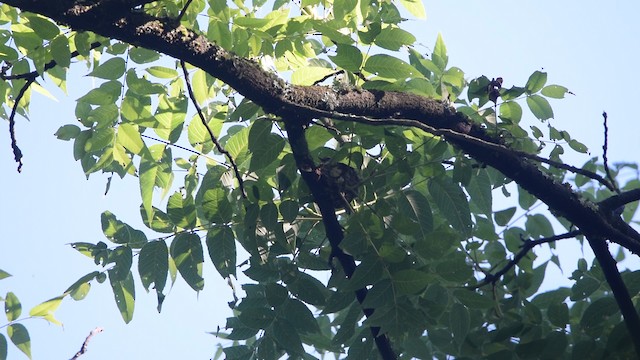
525 248
85 344
306 166
619 289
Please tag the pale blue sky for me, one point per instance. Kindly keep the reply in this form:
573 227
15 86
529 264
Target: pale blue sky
587 46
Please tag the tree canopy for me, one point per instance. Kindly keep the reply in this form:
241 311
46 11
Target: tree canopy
362 197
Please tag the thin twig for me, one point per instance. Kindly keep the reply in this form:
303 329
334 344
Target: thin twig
85 344
215 141
605 147
528 245
183 11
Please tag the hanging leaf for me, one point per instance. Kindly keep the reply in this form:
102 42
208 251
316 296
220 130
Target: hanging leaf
124 294
452 203
20 338
221 244
186 251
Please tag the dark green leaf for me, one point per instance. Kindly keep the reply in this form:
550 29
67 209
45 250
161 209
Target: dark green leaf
452 203
221 245
286 337
298 315
153 264
20 338
473 299
459 322
595 315
264 145
12 307
3 347
186 251
411 281
124 294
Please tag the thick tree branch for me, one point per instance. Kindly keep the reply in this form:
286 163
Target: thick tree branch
306 165
619 289
391 108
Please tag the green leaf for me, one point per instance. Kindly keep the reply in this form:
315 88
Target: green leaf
459 320
511 110
79 289
121 233
416 206
129 137
540 107
67 132
124 294
555 91
539 225
368 272
411 281
308 289
578 146
60 51
596 314
162 72
415 7
20 338
106 94
348 57
43 27
473 300
558 314
264 145
182 210
390 67
111 69
309 75
503 217
186 251
289 340
299 315
479 189
153 264
141 55
47 308
221 244
439 56
583 288
536 82
452 203
12 307
4 274
212 202
393 38
3 347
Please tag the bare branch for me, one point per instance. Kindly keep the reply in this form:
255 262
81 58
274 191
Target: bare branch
85 344
605 147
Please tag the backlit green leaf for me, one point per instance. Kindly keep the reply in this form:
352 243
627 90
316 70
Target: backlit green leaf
221 244
12 306
124 294
389 67
111 69
186 251
20 338
153 264
540 107
536 82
